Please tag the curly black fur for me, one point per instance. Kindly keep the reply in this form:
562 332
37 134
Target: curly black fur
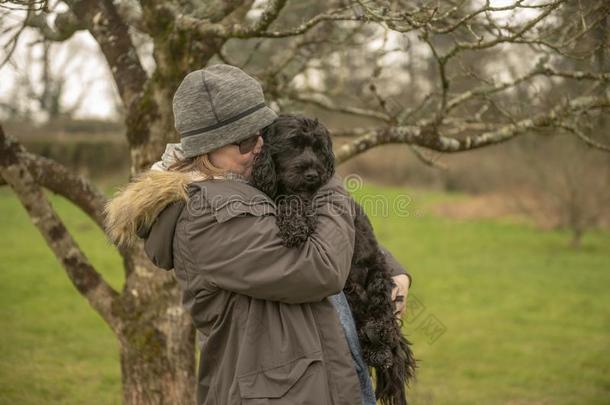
296 159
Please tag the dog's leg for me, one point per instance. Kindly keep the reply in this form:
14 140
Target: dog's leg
368 291
296 220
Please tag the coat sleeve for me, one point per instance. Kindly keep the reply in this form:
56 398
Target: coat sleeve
245 255
395 267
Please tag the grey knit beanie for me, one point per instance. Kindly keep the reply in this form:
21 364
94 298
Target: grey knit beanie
216 106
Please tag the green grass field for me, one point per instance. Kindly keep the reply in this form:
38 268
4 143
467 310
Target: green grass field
501 313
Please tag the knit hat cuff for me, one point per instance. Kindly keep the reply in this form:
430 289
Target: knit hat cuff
235 131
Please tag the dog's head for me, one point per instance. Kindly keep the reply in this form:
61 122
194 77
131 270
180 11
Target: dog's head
296 158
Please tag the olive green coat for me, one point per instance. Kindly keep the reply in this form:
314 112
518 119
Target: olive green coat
271 334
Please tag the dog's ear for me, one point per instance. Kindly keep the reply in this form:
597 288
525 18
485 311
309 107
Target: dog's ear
328 157
264 176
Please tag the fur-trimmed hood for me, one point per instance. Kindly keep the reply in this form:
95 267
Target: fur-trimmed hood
137 205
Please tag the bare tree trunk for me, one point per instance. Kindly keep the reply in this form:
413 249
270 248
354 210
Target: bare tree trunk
146 382
156 337
155 333
157 358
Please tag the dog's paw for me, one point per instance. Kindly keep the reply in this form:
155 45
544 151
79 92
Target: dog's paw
293 231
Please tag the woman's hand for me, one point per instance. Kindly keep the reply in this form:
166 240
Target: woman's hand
399 293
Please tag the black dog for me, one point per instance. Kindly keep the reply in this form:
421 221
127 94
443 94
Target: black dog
296 159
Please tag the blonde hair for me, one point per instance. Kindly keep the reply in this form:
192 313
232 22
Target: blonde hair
200 164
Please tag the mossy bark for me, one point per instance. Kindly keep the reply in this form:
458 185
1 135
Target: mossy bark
156 338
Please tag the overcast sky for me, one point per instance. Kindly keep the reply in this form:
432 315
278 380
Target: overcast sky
79 61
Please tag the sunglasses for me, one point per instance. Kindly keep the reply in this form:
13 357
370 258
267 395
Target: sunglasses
248 144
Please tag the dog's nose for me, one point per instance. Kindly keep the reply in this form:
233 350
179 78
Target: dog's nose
311 176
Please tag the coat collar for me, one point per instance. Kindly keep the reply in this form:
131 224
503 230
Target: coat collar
139 203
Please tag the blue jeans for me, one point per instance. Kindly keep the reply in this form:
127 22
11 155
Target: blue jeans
349 327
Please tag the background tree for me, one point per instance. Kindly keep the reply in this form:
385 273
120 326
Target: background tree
567 189
405 72
38 91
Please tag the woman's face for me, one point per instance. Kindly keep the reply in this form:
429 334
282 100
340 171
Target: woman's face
248 158
229 157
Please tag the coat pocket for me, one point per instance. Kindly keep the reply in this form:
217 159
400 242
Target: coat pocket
301 381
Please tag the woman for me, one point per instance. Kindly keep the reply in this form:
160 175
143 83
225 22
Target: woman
271 336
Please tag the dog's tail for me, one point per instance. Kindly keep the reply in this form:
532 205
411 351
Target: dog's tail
392 381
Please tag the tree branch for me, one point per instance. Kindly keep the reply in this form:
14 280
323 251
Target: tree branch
269 15
424 134
66 24
76 189
538 71
104 22
87 281
580 134
58 179
131 13
330 106
259 29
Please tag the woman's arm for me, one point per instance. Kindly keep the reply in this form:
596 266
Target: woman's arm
245 255
395 267
401 278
